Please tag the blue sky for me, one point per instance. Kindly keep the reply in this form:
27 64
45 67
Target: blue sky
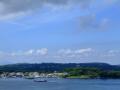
63 31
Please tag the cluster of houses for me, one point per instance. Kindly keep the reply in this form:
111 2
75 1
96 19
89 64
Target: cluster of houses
30 75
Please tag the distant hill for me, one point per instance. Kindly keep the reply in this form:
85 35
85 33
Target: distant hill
51 67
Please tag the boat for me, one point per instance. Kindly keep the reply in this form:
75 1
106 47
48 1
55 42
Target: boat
40 80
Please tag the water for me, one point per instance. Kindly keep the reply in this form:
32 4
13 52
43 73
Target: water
59 84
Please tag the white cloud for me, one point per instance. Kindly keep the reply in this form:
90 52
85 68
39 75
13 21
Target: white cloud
109 54
43 51
22 53
113 51
81 51
31 52
65 51
77 51
74 54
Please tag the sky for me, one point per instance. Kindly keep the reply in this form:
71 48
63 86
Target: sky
60 31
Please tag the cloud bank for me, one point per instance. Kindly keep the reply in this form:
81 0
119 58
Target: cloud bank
62 55
11 8
27 53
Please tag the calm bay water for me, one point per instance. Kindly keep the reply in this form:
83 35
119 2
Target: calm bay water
59 84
